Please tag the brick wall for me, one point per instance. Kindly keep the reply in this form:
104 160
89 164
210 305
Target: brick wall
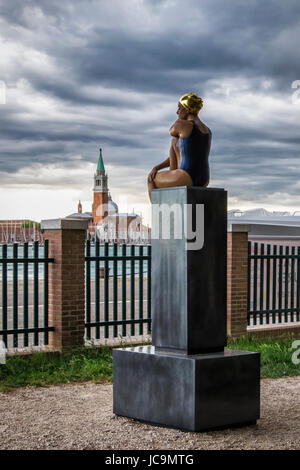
281 331
66 287
237 290
237 272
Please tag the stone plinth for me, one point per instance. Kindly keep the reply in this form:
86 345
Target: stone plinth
189 392
186 379
188 279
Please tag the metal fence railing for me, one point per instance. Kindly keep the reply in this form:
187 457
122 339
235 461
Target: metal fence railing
24 299
273 284
118 290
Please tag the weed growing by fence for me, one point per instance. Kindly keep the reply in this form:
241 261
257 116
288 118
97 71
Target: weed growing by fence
42 369
95 364
276 355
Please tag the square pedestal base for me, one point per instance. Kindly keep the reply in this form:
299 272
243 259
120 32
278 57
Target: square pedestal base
189 392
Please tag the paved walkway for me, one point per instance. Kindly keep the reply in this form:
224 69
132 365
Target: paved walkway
80 417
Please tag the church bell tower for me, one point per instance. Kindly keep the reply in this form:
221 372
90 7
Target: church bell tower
100 202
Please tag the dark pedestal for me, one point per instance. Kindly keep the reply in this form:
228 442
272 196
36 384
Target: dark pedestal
188 280
189 392
186 379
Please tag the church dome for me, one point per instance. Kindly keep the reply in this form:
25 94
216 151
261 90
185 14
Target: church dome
112 206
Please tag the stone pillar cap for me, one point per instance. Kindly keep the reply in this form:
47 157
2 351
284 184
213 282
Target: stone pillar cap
64 224
189 188
236 227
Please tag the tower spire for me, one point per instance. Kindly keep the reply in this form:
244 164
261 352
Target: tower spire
100 178
100 166
100 192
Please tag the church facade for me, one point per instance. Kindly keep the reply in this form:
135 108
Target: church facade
105 222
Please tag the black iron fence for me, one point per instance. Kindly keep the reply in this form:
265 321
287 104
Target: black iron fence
273 284
24 300
118 290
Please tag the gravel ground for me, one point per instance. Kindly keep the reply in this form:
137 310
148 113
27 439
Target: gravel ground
80 417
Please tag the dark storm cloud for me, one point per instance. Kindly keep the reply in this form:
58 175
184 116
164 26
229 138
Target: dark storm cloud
63 133
243 38
13 12
239 39
153 64
99 60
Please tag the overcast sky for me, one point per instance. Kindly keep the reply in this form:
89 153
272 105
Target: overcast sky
79 75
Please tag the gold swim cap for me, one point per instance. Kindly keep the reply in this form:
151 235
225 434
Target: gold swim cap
191 102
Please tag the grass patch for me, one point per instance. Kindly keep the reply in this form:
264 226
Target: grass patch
42 369
95 364
276 355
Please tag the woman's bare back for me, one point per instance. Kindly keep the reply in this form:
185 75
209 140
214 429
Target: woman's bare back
203 128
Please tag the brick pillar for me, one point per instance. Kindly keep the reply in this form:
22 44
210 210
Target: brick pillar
66 282
237 285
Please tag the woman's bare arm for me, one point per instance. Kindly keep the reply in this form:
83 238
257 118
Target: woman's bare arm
173 131
181 128
156 168
163 164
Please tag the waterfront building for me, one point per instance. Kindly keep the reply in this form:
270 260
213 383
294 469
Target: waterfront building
19 230
105 221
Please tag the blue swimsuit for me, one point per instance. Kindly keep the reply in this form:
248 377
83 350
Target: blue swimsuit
194 152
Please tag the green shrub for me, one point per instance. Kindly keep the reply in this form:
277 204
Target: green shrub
95 364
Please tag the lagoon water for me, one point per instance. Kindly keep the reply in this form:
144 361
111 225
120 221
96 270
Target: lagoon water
92 263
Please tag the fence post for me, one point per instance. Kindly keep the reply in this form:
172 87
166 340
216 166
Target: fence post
237 280
66 282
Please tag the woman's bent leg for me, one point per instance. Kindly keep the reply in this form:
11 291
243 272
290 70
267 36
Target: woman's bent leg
151 185
168 179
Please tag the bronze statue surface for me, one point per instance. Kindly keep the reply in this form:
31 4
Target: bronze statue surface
189 150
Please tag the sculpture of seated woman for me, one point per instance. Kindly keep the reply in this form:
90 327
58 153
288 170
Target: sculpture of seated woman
189 151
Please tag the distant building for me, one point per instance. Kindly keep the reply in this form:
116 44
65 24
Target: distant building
12 231
269 227
105 220
260 212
